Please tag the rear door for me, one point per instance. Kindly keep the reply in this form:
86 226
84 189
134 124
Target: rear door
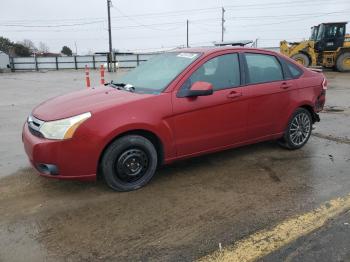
268 93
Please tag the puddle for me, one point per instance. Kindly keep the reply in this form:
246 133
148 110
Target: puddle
333 109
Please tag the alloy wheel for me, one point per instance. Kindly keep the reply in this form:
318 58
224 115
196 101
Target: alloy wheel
300 129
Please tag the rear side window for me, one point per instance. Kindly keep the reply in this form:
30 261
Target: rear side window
263 68
222 72
294 70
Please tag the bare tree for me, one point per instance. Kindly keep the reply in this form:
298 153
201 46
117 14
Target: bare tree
43 47
30 45
90 52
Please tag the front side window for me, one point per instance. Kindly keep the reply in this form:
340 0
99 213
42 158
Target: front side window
263 68
331 31
156 74
222 72
341 31
314 31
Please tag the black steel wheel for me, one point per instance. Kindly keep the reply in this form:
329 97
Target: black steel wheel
129 163
298 131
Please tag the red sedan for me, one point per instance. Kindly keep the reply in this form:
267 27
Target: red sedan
177 105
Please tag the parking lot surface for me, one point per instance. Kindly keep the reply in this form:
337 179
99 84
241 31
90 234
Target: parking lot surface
189 209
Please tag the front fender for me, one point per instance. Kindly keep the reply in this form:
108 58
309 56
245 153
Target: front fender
162 131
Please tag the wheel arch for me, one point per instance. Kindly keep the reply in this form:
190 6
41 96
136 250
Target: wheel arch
315 117
308 107
343 50
151 136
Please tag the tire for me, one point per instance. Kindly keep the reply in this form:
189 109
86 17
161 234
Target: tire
298 130
129 163
343 62
301 59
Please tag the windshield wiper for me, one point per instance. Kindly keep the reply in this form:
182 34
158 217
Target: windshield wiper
120 86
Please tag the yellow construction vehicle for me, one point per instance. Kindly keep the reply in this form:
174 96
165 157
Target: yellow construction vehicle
328 46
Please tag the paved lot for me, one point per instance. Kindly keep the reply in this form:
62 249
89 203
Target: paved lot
189 207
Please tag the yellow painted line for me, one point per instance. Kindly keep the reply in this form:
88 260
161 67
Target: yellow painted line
266 241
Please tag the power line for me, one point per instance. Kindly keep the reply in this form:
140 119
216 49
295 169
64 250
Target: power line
144 25
263 5
300 4
279 3
152 26
287 21
181 12
200 23
43 26
279 16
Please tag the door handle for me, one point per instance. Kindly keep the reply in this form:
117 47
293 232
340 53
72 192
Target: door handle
234 94
285 85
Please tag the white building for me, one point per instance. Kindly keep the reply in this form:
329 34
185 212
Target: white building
4 61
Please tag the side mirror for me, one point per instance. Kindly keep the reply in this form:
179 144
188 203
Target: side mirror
198 88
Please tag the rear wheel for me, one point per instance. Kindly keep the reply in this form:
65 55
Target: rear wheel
301 59
343 62
298 131
129 163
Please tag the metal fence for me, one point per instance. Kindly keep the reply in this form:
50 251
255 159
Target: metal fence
75 62
124 60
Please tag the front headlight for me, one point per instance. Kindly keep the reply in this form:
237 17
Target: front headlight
63 128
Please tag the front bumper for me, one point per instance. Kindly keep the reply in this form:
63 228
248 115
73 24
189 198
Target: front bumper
72 159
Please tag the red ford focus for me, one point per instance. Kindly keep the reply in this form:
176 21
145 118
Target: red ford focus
177 105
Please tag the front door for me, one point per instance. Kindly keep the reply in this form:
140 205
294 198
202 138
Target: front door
206 123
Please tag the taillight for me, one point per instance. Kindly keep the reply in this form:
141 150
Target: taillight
324 84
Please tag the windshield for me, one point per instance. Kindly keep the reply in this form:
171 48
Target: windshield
320 32
154 75
314 30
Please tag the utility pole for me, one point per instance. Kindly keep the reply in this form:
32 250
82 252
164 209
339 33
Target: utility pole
109 36
222 23
76 48
187 33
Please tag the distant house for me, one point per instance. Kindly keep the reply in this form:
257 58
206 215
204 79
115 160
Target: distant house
47 54
4 61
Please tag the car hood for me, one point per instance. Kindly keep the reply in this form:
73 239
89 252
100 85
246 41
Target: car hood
88 100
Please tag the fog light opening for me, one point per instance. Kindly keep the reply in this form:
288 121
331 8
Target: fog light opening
47 169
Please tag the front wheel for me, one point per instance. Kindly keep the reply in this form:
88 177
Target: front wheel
298 131
129 163
302 59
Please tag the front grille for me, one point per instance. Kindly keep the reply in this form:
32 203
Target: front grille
34 125
35 132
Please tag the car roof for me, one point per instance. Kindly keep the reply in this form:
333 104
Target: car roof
213 49
330 23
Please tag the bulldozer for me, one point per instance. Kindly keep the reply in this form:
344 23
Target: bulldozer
328 46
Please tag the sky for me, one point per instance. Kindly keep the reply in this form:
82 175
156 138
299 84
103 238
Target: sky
153 24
